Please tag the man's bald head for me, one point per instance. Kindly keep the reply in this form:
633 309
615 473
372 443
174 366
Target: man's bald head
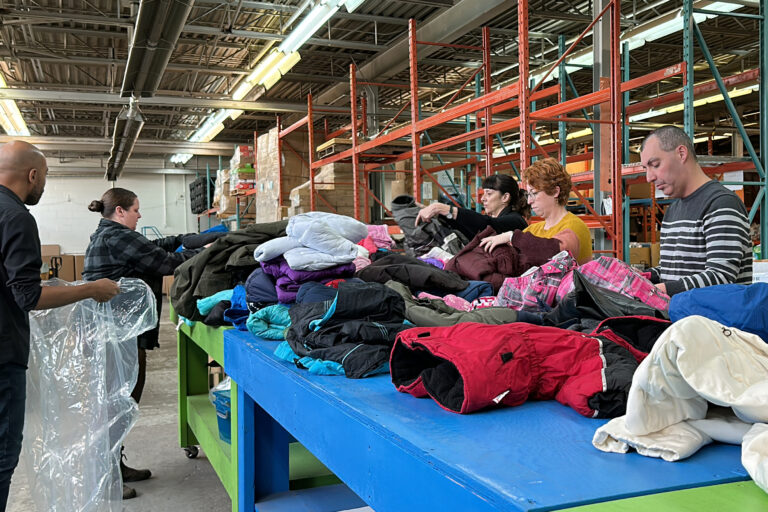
19 156
23 169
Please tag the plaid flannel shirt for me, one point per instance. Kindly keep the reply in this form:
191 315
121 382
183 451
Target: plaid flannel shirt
116 251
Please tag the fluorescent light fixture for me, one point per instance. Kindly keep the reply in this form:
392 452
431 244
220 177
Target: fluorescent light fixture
271 79
242 91
264 72
288 61
705 138
181 158
714 98
543 142
264 66
279 69
272 67
311 23
10 116
651 31
209 129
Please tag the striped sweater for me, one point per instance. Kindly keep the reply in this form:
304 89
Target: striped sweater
704 241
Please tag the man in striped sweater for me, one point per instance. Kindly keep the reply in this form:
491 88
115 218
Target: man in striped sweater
705 233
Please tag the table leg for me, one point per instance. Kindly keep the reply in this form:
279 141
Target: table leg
193 380
262 453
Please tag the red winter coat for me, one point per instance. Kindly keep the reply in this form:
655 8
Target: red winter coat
470 366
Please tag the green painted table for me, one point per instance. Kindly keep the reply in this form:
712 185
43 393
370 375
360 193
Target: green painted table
738 496
197 416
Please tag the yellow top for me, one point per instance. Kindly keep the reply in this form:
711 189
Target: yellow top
575 224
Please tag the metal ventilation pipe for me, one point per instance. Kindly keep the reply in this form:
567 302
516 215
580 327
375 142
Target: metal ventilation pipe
127 129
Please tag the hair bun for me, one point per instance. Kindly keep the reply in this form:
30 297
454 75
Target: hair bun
96 206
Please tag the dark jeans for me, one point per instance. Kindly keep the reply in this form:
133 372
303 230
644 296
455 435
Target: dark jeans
13 392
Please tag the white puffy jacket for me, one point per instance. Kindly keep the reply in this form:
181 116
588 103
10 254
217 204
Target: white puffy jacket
695 364
316 241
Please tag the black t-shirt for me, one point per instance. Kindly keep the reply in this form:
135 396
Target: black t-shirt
19 276
470 222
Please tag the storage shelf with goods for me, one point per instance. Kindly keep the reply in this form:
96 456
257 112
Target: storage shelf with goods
551 118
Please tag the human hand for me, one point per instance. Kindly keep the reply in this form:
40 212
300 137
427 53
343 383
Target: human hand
102 290
489 243
662 287
426 213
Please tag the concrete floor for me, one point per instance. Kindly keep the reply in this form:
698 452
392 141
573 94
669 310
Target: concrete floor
177 483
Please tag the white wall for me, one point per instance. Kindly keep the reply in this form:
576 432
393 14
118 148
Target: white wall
63 217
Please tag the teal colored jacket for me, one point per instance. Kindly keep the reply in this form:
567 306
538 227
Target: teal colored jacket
269 323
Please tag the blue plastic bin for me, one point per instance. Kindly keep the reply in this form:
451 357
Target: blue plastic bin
223 404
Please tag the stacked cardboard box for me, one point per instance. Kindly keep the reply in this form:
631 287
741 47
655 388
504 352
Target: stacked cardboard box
270 188
333 184
242 178
70 265
645 255
243 155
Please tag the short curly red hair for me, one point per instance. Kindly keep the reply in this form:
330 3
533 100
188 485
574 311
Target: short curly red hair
548 174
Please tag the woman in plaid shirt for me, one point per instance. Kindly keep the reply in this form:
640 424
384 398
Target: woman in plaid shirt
116 250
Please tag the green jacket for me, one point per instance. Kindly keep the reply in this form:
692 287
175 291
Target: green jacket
436 313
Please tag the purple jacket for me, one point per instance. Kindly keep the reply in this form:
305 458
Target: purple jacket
289 280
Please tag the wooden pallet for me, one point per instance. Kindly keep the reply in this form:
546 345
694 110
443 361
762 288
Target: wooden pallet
239 191
337 145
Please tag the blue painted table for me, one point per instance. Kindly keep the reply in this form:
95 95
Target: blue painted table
398 453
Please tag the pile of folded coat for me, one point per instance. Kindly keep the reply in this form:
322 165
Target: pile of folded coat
356 328
318 247
526 251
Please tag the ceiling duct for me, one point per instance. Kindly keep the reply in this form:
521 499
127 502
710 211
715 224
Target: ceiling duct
158 26
127 128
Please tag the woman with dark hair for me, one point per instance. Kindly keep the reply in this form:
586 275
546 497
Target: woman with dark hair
116 250
549 186
504 209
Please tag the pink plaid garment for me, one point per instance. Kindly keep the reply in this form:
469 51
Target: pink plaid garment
454 301
617 276
380 235
537 287
484 302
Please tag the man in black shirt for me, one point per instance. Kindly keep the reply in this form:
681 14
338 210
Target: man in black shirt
23 170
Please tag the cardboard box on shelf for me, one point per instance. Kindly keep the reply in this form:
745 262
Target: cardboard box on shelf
66 267
655 254
50 250
640 191
401 187
640 256
67 270
243 155
278 174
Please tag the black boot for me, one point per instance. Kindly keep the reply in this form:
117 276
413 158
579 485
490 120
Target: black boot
128 492
130 474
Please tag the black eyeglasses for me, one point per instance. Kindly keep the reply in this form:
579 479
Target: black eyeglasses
531 195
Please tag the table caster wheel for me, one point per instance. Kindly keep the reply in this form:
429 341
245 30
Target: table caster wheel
191 451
